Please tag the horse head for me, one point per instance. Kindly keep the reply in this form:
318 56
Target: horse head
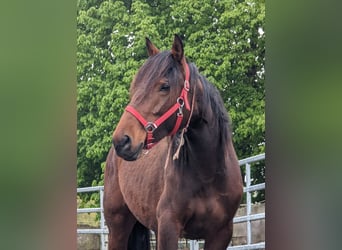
160 101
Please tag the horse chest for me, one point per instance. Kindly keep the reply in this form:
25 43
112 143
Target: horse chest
203 208
204 215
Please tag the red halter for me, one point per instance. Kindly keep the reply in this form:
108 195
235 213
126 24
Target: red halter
182 100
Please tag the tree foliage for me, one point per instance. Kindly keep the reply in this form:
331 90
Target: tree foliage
225 39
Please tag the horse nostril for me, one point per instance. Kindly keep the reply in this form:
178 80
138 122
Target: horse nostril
125 140
122 145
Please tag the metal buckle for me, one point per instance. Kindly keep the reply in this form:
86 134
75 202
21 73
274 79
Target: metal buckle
150 127
181 102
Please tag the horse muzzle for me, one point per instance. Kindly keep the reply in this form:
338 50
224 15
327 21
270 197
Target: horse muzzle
125 150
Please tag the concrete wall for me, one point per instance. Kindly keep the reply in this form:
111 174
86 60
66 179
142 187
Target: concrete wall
88 241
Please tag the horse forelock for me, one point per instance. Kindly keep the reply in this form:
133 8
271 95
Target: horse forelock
156 68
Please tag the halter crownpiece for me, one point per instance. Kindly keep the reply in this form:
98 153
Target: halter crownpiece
186 87
181 101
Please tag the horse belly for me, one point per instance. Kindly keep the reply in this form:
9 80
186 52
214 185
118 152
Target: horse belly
141 183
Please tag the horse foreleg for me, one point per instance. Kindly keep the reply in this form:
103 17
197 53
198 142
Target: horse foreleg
120 225
219 240
168 231
119 218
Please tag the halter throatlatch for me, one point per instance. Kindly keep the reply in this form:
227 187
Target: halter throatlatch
181 101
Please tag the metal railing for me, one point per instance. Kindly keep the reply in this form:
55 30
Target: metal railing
193 244
103 230
248 189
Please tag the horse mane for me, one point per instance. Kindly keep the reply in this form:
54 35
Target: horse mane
209 111
212 109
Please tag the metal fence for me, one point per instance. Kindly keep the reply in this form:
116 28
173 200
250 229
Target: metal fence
249 217
193 244
103 230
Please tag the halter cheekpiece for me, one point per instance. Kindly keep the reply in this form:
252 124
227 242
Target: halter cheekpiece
181 101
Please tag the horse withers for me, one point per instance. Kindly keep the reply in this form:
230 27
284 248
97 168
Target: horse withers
172 167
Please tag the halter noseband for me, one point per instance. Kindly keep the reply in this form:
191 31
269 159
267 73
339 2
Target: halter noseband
182 100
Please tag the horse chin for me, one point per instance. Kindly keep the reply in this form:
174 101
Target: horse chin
131 155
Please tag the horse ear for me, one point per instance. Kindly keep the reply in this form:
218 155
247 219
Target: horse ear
151 49
177 49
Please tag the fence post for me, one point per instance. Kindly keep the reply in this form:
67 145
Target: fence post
102 221
194 245
249 203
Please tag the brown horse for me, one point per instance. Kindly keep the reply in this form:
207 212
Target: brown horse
172 168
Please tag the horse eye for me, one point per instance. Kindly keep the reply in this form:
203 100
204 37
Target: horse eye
165 87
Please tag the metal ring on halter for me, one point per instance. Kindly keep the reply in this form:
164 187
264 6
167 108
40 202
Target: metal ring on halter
150 127
180 101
